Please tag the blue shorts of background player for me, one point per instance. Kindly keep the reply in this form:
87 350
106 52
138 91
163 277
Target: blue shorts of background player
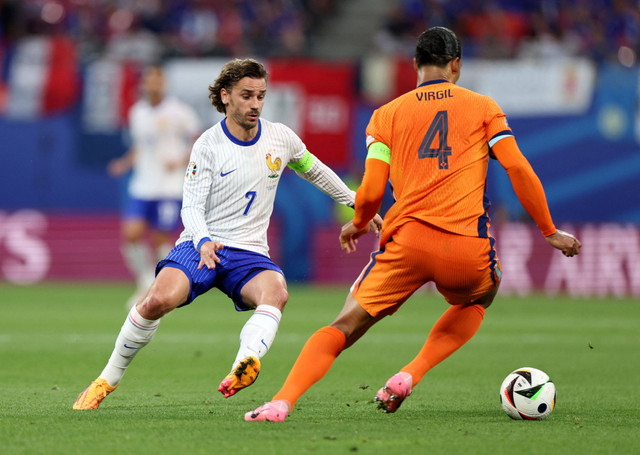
235 269
161 214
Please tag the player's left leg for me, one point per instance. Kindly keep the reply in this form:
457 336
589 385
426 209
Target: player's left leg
267 293
315 360
454 328
469 279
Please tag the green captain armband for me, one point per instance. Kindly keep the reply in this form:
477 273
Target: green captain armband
304 164
379 151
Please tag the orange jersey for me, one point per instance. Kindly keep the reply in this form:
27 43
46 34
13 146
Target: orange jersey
439 137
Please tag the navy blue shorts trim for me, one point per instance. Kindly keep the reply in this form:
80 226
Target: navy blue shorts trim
235 269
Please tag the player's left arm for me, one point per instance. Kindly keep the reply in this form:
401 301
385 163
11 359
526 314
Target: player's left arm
310 168
530 193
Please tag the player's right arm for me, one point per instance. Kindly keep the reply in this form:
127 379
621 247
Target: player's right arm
120 166
371 191
197 184
530 193
369 195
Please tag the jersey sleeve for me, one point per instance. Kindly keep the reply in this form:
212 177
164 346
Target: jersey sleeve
197 183
379 127
296 147
526 184
371 191
496 125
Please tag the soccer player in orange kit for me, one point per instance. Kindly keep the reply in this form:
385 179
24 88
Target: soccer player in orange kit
433 145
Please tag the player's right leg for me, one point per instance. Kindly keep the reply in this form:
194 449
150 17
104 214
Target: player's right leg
136 253
170 289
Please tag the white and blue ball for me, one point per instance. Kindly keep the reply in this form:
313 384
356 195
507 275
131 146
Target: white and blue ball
528 394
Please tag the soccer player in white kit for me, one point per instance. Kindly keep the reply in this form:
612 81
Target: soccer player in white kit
229 192
162 131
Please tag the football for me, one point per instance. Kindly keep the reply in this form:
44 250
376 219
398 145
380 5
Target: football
528 394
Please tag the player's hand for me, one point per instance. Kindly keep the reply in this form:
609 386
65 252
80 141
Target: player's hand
565 242
208 254
349 236
172 165
118 167
375 225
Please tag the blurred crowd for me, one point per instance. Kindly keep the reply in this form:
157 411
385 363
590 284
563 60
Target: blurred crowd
147 30
599 29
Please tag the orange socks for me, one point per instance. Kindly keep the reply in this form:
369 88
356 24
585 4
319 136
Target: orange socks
454 328
314 361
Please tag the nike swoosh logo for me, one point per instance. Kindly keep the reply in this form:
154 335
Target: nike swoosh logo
265 344
224 174
129 347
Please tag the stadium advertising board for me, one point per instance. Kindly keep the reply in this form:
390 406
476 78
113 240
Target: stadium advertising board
524 88
36 247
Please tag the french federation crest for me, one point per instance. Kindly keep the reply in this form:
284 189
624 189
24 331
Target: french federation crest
273 165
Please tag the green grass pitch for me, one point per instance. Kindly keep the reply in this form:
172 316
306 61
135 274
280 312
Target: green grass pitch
55 338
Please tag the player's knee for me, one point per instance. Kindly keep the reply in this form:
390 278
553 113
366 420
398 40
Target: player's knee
131 236
132 231
156 304
280 298
487 299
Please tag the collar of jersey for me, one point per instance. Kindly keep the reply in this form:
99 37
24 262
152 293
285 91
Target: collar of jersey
237 141
437 81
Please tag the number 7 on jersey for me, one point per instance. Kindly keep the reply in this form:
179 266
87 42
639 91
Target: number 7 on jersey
251 195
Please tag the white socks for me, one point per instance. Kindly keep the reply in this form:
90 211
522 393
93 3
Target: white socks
258 332
139 259
135 334
256 338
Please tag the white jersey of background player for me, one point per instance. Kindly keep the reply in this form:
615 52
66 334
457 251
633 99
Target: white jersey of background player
162 135
162 130
229 192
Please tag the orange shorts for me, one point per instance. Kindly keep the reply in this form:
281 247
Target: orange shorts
463 268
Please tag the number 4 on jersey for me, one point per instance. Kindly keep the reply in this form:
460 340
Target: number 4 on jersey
439 126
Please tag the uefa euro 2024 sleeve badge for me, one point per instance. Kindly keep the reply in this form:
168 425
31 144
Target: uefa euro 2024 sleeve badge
192 169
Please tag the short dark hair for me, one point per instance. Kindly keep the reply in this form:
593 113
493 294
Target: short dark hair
231 73
437 46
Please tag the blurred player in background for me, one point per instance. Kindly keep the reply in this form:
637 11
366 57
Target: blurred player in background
162 130
433 145
229 192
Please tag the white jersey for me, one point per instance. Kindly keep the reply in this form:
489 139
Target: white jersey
161 134
230 185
